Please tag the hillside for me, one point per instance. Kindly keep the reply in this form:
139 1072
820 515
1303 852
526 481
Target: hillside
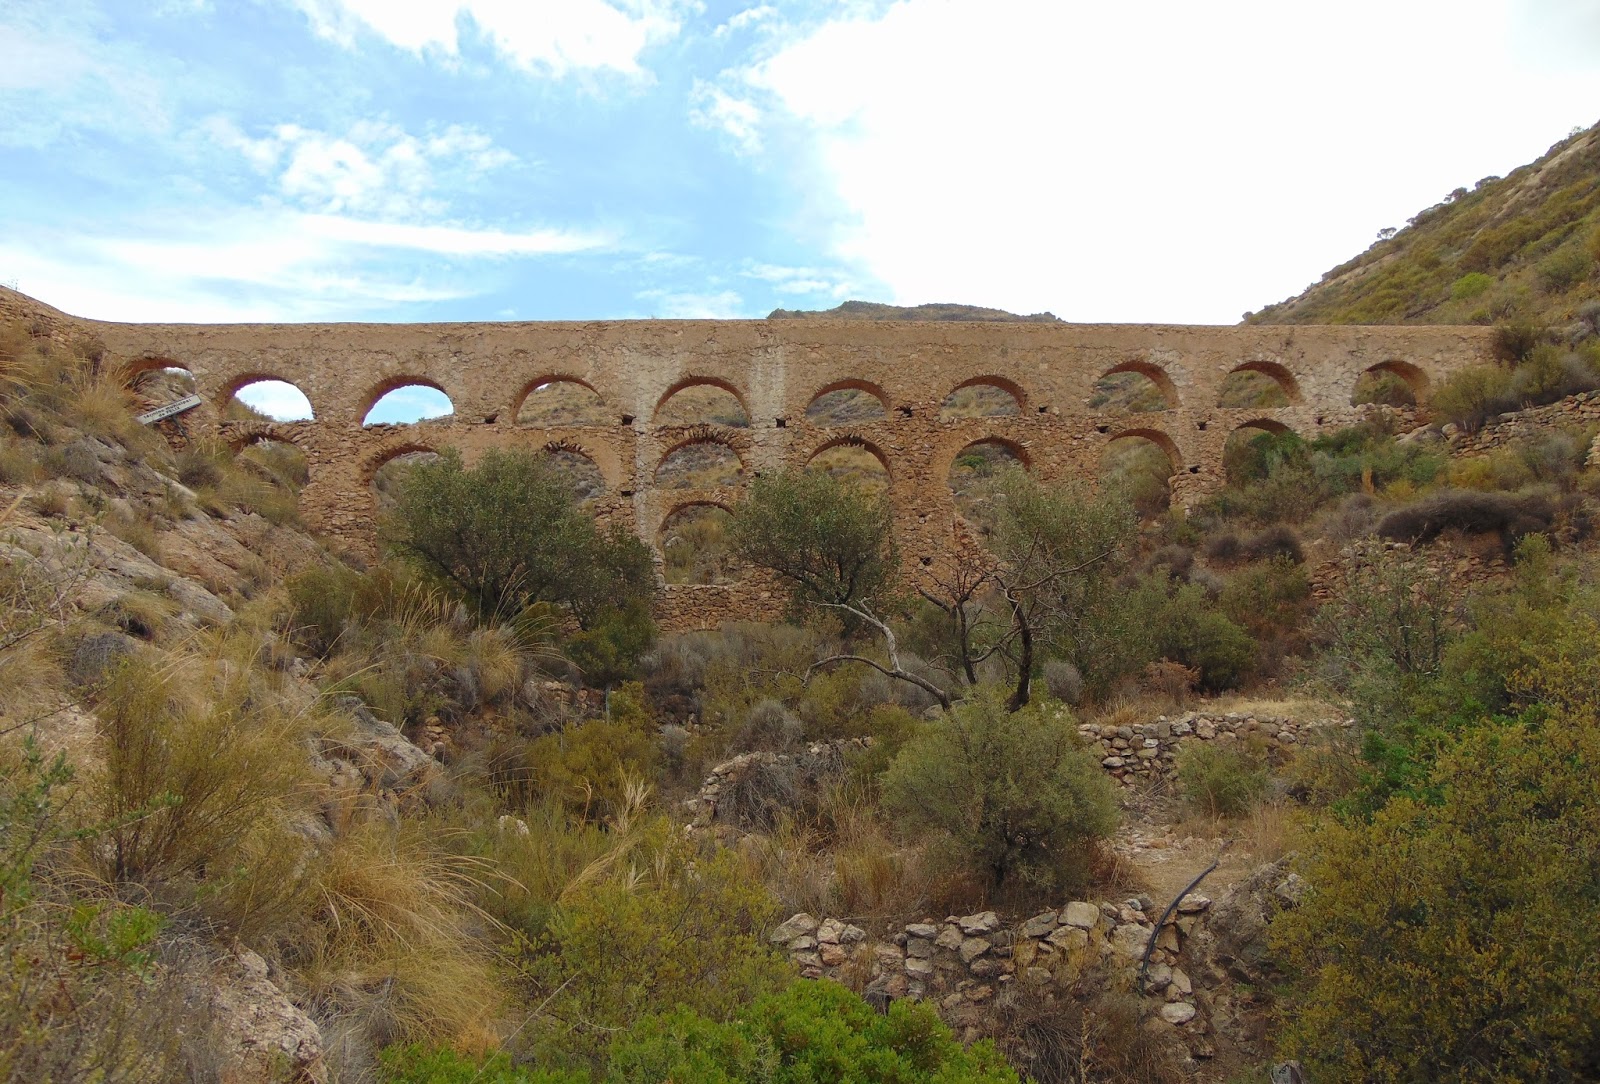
271 814
872 310
1519 248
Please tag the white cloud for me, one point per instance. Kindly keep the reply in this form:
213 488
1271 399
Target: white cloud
454 240
1163 160
277 399
266 264
375 167
800 280
716 110
670 305
746 18
557 36
63 72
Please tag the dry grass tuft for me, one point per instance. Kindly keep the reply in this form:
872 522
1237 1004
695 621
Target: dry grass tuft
393 943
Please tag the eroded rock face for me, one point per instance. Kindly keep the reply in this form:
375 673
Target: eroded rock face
1229 960
254 1032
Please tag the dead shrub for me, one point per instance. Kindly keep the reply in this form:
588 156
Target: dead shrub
767 727
1226 546
1172 680
1064 681
1087 1032
1276 541
769 790
1510 516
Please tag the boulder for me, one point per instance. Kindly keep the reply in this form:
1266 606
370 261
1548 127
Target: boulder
982 923
799 924
1083 915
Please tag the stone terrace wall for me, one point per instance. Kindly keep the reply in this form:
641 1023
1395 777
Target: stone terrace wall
1148 752
962 963
776 369
1579 411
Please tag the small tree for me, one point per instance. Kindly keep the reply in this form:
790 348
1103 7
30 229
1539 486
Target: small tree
1059 548
831 541
508 533
1015 793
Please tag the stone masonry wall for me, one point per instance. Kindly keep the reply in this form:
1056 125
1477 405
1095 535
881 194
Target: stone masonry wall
961 964
776 369
1148 752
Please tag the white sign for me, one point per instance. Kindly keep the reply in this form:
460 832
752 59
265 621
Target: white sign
188 402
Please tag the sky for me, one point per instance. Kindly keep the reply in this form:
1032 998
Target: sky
1141 161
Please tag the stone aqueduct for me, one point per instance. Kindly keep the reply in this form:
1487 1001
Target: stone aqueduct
776 369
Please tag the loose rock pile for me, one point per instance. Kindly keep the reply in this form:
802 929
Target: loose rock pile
963 962
819 757
1148 752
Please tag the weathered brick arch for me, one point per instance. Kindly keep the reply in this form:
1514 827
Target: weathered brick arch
1263 422
715 436
993 380
1168 446
1015 447
134 368
1152 372
850 384
240 435
531 386
376 393
1415 378
692 502
855 440
1277 371
703 382
375 462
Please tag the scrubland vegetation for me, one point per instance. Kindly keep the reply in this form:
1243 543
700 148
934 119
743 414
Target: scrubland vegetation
1522 247
440 795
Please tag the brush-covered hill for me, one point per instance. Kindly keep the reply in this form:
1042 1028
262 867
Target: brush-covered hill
872 310
1522 248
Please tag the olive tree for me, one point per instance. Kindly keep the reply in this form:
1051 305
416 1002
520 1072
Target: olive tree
508 533
831 541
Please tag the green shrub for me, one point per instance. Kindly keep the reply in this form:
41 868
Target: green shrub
608 649
419 1064
508 533
1471 285
1564 269
1189 628
813 1031
1515 340
662 926
1222 778
1267 598
79 998
195 762
1455 937
1016 795
1469 396
589 766
1384 389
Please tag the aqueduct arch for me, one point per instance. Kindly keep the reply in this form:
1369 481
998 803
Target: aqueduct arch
774 369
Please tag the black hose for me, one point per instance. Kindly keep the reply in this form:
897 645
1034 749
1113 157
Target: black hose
1150 945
